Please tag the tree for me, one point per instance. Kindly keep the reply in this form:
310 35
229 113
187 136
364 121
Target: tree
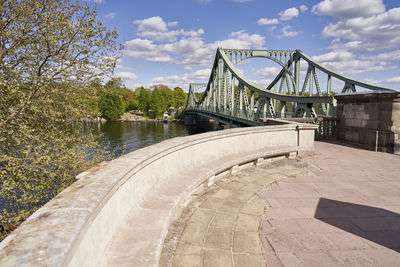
49 51
111 106
128 97
180 97
168 96
157 104
143 96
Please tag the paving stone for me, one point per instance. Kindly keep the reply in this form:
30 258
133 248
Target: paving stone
224 194
194 234
383 257
218 238
284 242
224 220
253 208
188 249
233 185
217 258
286 226
186 260
272 260
315 226
315 259
289 259
347 241
248 242
328 217
315 241
212 203
202 216
284 213
228 205
352 258
247 223
245 260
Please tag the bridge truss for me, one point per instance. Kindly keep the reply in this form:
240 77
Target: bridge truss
229 96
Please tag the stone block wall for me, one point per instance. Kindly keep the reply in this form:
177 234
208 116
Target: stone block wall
360 116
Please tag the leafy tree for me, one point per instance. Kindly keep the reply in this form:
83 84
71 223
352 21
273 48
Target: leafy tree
180 97
143 96
157 103
168 96
128 97
49 51
111 106
133 104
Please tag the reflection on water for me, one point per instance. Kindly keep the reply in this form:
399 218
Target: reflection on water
136 135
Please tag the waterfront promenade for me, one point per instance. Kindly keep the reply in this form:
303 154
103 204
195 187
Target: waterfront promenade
340 207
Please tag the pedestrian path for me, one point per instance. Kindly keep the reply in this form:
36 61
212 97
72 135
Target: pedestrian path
340 207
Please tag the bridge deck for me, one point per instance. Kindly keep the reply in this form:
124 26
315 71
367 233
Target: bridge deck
340 207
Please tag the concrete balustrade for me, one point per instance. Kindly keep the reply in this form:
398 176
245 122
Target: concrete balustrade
141 191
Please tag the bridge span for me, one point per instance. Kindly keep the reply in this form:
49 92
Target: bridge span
231 98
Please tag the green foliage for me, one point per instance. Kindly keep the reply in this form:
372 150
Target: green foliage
199 95
180 97
144 98
111 106
157 103
128 96
49 51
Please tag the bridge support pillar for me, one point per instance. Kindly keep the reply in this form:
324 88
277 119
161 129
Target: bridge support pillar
190 119
367 119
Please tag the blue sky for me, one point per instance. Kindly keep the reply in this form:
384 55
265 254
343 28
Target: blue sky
173 42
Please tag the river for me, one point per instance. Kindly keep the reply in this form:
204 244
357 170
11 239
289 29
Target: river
136 135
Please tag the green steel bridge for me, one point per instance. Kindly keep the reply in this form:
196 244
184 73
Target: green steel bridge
231 98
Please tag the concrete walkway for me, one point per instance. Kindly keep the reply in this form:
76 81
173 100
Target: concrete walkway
340 207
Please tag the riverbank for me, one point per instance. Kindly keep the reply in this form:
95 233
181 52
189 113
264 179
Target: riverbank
132 117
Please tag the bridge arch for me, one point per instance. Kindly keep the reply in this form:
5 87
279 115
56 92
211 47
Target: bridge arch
230 93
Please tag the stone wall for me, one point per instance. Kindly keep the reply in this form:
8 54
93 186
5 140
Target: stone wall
361 116
77 227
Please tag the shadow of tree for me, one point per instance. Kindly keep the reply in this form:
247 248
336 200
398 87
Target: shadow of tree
375 224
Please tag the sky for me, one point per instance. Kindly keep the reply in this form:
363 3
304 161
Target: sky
173 42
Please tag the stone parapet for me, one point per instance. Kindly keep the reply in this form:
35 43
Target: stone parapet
364 117
150 185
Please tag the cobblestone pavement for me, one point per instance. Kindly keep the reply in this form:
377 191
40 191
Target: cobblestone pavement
340 207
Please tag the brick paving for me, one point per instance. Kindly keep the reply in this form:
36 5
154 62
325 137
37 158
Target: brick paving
340 207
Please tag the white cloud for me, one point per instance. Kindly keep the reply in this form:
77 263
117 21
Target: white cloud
110 15
183 80
155 28
98 1
267 72
126 75
349 9
172 23
153 24
285 32
392 80
264 21
185 48
363 25
346 62
121 67
203 1
288 14
303 8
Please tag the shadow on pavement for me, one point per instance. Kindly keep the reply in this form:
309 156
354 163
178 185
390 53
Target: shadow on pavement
375 224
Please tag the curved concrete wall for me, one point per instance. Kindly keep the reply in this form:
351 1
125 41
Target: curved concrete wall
76 227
